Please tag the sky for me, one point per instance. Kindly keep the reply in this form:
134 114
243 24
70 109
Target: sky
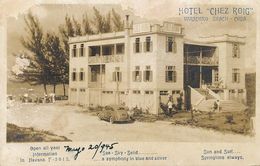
52 15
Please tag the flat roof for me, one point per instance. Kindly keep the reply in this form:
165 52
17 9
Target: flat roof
197 43
96 37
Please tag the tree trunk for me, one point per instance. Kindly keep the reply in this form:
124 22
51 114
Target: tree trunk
64 89
191 113
54 88
45 88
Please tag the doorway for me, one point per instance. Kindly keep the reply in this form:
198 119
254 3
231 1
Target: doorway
192 76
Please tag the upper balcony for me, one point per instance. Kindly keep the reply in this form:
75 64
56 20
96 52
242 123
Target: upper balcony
200 55
197 60
106 53
105 59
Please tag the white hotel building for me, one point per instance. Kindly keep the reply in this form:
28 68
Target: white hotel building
142 64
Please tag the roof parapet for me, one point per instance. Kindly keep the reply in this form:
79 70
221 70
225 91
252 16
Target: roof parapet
100 36
223 38
169 27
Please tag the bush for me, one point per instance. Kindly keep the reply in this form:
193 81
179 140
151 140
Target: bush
210 115
230 119
108 107
137 111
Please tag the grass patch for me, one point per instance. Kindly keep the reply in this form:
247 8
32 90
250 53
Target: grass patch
146 117
236 122
23 134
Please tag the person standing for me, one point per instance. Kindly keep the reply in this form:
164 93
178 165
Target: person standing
216 105
170 106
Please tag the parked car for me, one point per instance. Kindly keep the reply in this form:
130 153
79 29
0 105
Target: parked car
61 97
114 114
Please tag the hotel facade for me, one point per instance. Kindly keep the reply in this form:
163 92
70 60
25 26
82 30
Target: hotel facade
144 64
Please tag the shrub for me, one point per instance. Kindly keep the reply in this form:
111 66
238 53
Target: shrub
137 111
229 119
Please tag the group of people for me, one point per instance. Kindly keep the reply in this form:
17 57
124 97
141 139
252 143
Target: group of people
26 98
171 106
174 106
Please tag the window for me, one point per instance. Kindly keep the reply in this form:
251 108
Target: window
163 93
94 50
74 75
82 50
117 75
136 92
82 89
137 45
216 76
148 44
120 48
107 92
170 74
148 92
169 44
176 92
73 89
235 75
232 91
94 73
137 75
74 51
81 75
236 50
148 74
108 50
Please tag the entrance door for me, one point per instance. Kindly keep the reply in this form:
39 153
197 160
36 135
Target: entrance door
192 76
207 75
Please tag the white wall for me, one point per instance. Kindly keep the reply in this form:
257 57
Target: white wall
227 63
169 59
77 63
235 63
143 59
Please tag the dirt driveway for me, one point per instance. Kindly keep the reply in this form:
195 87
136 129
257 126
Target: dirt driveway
73 123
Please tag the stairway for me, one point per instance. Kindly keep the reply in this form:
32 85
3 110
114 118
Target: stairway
206 105
225 105
205 93
203 100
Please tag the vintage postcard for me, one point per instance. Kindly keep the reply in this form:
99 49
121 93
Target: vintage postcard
128 82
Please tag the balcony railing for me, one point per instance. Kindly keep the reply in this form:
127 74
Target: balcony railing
204 60
105 59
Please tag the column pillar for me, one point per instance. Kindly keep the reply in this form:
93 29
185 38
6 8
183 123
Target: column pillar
200 67
244 96
226 94
157 105
100 77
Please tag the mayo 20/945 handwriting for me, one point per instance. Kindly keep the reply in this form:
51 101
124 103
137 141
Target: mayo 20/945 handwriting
101 147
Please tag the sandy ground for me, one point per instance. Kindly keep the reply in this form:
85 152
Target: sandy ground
73 123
